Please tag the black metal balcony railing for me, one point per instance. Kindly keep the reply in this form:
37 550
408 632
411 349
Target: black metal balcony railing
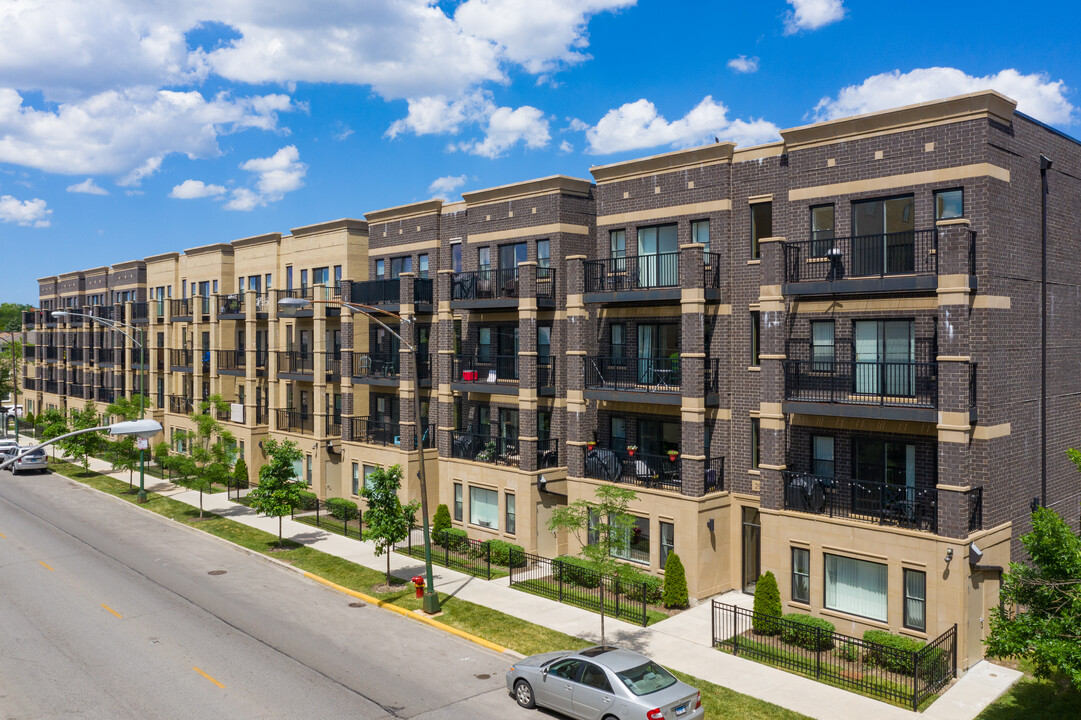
712 375
547 452
296 361
546 282
262 415
180 308
485 448
424 366
76 389
906 506
485 285
975 509
181 358
262 357
105 312
423 291
712 268
633 272
75 355
140 311
105 395
232 304
890 384
376 365
52 386
334 362
714 477
181 405
486 369
377 292
546 371
373 431
651 471
655 375
332 425
232 359
49 352
140 357
305 293
912 252
29 319
292 420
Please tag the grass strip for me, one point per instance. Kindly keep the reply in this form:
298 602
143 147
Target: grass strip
498 627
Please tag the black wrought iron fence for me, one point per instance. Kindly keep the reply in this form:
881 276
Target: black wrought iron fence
912 252
641 272
451 550
572 583
905 677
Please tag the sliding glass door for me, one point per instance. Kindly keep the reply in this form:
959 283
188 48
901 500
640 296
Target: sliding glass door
885 357
884 237
658 353
658 249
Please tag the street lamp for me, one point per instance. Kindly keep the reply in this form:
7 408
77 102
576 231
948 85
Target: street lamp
116 325
431 598
145 429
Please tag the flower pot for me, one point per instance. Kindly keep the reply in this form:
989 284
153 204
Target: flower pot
590 446
630 452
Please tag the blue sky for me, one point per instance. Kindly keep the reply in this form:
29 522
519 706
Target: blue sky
133 127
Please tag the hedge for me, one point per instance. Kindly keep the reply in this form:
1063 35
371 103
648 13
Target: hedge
308 501
453 539
898 662
803 631
577 571
342 509
506 554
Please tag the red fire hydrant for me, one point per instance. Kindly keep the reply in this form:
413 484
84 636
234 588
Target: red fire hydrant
418 580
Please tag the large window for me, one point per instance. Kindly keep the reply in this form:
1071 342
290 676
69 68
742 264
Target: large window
511 514
321 276
822 346
369 470
915 600
822 463
885 355
400 265
458 502
949 204
636 546
658 263
761 226
484 507
856 587
885 241
801 575
510 256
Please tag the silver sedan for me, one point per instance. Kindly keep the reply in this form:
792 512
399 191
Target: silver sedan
603 683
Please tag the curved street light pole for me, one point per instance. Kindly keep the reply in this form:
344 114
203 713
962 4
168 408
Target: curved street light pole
116 325
145 429
430 601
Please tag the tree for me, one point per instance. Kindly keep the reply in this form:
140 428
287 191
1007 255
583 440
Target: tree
208 460
603 528
388 520
675 583
767 605
278 491
87 444
240 475
161 454
11 316
125 456
53 424
1039 617
441 521
11 355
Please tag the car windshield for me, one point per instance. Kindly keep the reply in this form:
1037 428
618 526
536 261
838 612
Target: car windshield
36 455
646 679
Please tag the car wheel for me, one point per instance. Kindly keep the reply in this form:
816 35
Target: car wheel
523 693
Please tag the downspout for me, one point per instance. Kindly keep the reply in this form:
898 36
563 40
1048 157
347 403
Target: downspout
1045 165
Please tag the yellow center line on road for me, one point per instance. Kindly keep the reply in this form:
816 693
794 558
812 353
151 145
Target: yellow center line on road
114 612
3 535
208 677
46 566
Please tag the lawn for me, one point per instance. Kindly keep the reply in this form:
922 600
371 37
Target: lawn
506 630
1033 699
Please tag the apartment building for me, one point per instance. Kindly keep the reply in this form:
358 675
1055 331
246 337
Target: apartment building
833 356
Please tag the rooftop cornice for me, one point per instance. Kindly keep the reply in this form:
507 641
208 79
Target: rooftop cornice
223 248
350 224
719 152
405 212
163 257
257 240
563 184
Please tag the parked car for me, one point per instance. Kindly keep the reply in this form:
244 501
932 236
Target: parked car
603 682
6 444
36 460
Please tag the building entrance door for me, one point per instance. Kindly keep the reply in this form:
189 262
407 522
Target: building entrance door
752 548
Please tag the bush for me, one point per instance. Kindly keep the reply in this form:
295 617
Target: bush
892 652
308 501
849 651
441 521
240 474
506 554
640 586
808 632
576 571
675 583
453 539
342 509
767 605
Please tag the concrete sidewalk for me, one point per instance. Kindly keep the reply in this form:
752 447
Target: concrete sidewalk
683 642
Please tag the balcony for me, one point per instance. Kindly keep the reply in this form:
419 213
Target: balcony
296 363
609 378
180 309
378 368
29 319
30 384
181 360
105 395
158 308
262 415
897 505
76 390
262 357
140 313
75 356
661 472
232 362
140 357
485 448
634 278
333 425
387 294
292 420
106 312
492 289
886 263
49 353
371 431
52 386
231 307
547 453
304 293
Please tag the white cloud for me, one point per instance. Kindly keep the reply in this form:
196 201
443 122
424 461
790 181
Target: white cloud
1036 94
445 186
276 175
24 212
341 131
506 128
566 147
192 189
637 125
744 64
440 115
87 187
576 125
812 14
135 177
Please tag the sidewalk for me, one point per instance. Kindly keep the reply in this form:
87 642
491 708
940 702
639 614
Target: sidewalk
683 642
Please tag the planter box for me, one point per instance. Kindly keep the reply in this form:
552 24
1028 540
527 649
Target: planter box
469 375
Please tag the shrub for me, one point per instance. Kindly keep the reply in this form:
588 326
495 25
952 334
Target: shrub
441 521
892 652
576 571
640 586
675 583
506 554
849 651
342 509
240 474
308 501
808 632
453 539
767 605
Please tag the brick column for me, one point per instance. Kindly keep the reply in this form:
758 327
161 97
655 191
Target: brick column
348 405
954 372
527 365
771 419
444 361
578 325
408 384
692 360
320 408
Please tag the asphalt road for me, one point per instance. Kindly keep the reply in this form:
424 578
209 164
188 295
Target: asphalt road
108 612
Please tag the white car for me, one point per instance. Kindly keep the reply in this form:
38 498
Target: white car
36 460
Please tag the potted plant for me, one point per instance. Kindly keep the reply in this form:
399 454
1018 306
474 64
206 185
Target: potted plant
673 454
631 449
590 445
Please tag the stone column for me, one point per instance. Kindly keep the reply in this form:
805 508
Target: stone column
771 419
691 371
348 407
527 366
579 338
444 331
408 383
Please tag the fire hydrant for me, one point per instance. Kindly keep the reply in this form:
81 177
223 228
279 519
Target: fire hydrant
418 580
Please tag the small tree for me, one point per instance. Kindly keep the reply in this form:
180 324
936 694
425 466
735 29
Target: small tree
441 521
53 423
675 583
207 461
1039 617
84 445
767 605
125 456
278 491
388 520
603 528
240 475
161 454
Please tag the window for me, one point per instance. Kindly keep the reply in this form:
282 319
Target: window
268 278
619 434
884 241
949 204
636 546
755 443
484 259
668 540
240 284
337 275
303 278
822 348
215 287
700 234
356 479
915 600
288 278
484 507
456 257
308 469
594 677
369 470
566 670
484 344
458 502
544 254
821 230
544 342
658 264
422 265
885 354
856 587
801 575
380 269
321 276
618 241
510 256
619 343
510 514
756 337
400 265
822 456
761 226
